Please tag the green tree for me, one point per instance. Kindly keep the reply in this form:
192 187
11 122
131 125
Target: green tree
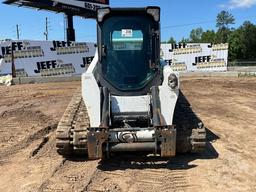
222 35
171 40
242 42
185 40
208 36
195 35
224 19
249 40
235 45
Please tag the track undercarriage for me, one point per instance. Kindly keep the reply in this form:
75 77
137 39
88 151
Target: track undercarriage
74 128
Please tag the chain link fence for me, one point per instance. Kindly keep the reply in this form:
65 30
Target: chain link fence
242 66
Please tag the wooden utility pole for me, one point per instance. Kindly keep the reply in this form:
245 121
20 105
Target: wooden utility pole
46 33
65 27
18 32
13 62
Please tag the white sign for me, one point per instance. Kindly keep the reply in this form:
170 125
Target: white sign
127 33
196 57
94 5
58 58
45 58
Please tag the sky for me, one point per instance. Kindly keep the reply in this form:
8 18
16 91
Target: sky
178 18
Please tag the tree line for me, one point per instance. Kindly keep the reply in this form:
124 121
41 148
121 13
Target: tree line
242 41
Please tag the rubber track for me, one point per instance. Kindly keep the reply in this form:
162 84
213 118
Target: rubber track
71 134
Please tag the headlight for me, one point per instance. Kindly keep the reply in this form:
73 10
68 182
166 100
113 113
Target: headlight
173 81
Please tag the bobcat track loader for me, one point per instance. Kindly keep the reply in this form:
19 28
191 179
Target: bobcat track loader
129 95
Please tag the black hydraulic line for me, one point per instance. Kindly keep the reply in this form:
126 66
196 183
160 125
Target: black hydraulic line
105 108
156 107
13 64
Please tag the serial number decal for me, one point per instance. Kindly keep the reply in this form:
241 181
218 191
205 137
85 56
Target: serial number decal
91 6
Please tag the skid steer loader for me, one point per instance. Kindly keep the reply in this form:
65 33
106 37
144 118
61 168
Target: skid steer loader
129 95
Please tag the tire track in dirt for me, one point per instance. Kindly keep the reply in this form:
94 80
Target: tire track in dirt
44 170
66 174
21 126
121 175
42 133
72 175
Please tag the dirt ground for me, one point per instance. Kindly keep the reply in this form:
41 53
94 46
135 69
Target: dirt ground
28 160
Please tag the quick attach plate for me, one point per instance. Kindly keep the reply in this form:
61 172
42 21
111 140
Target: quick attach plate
95 139
166 136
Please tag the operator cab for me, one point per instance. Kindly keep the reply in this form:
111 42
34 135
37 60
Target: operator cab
129 95
129 50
